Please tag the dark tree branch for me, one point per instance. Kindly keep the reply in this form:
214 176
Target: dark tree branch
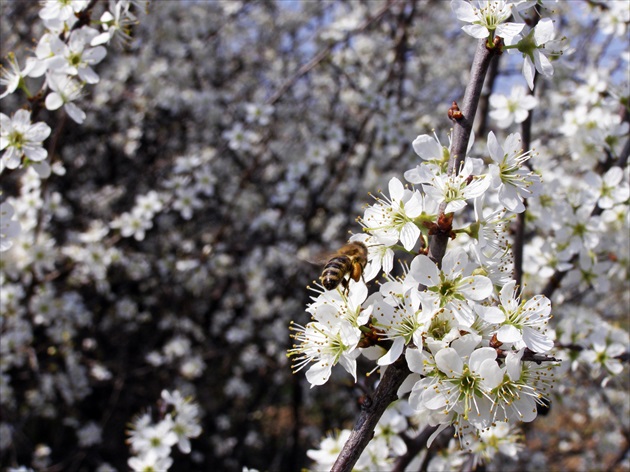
396 373
518 227
463 127
323 54
484 100
461 136
371 412
414 446
554 281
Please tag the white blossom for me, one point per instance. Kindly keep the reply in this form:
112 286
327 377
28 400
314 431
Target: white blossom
19 137
487 18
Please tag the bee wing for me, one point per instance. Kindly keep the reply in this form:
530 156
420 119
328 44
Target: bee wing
315 258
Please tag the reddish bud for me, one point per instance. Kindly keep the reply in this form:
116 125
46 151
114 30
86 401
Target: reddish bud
494 342
454 113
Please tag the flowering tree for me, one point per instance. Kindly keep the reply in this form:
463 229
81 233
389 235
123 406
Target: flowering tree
167 170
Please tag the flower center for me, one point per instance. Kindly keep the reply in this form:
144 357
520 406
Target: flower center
16 139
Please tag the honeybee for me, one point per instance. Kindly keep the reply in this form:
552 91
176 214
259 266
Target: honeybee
348 260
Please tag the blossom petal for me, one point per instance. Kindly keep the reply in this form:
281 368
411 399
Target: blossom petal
513 145
42 168
408 384
53 101
21 118
480 355
510 199
527 408
476 287
350 364
12 158
437 432
509 334
433 399
449 362
396 189
476 31
350 335
491 314
455 205
513 364
415 360
507 293
544 31
491 373
94 55
409 235
5 122
509 30
464 11
614 366
528 71
38 132
394 352
424 271
75 113
535 340
35 153
477 187
539 306
319 373
543 65
427 147
466 344
88 75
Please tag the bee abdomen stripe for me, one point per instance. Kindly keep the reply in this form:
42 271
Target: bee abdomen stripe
338 263
335 270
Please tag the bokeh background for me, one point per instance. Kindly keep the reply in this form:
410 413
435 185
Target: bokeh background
261 126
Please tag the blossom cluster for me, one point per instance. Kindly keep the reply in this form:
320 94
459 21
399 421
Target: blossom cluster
152 443
501 438
65 57
581 225
228 143
386 441
488 19
462 326
597 346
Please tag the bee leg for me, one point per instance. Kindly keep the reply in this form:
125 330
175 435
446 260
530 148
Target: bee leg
346 286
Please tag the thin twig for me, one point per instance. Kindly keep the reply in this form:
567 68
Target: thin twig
386 392
554 281
414 446
463 127
518 227
370 414
320 56
461 136
484 100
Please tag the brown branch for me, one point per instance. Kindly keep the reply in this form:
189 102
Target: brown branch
484 100
414 446
518 227
461 136
371 412
320 56
530 356
396 373
463 127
